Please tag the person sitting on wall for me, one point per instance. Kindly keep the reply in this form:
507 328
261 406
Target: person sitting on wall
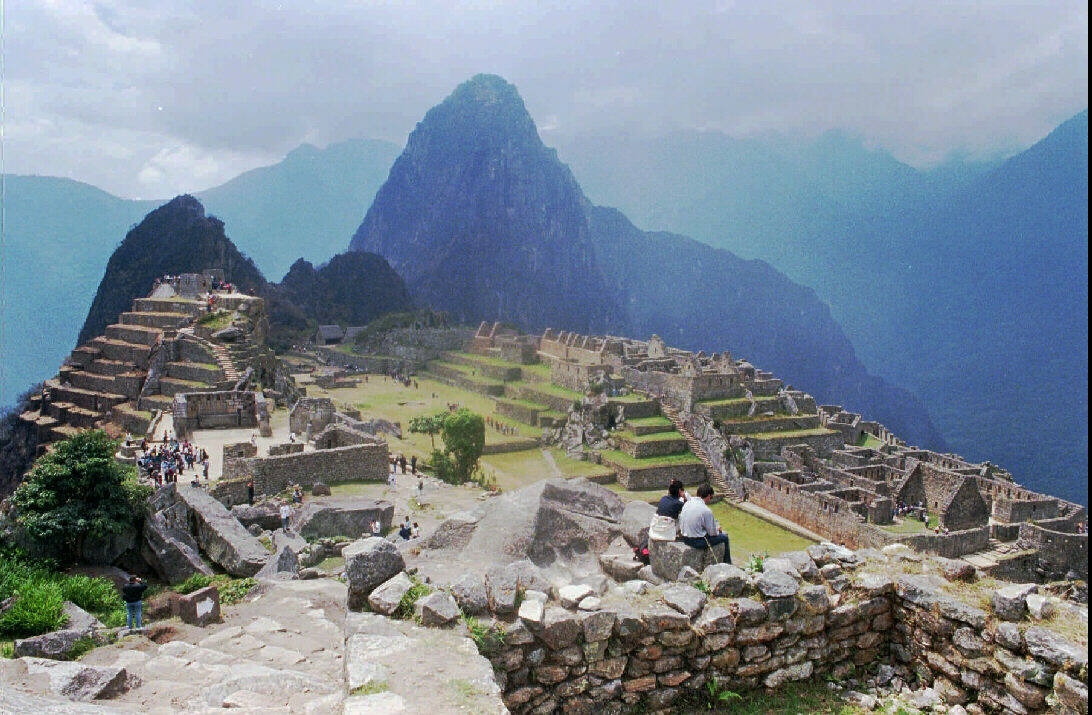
697 527
672 502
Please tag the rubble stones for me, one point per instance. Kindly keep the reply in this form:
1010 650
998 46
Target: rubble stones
469 593
369 563
776 584
725 580
388 596
436 609
667 558
1009 602
684 599
1040 608
573 594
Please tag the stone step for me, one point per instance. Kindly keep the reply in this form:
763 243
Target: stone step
151 403
192 308
89 399
173 385
74 415
138 334
111 367
84 355
775 423
199 372
123 351
127 384
163 321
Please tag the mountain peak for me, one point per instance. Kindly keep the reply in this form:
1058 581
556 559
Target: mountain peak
486 89
184 203
484 111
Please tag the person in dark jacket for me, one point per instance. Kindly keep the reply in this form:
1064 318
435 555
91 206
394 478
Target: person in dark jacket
133 593
672 502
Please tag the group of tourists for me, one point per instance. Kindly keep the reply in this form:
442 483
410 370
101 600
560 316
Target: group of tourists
165 463
688 519
499 426
916 511
409 530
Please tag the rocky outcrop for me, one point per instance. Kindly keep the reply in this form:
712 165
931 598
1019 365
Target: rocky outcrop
77 681
265 514
351 517
172 552
220 535
55 645
369 563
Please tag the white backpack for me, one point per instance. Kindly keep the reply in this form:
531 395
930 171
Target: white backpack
662 528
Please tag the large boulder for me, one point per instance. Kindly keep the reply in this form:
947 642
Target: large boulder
668 558
635 520
285 562
220 535
266 515
565 520
79 619
352 517
55 645
368 564
77 681
173 553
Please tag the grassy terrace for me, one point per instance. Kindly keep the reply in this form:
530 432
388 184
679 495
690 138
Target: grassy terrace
628 398
624 460
654 437
815 432
548 388
538 368
524 403
468 374
869 441
911 526
657 421
758 418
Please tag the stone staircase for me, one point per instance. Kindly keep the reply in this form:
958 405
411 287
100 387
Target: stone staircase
223 359
291 649
715 478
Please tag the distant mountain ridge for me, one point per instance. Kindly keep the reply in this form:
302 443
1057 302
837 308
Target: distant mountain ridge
486 222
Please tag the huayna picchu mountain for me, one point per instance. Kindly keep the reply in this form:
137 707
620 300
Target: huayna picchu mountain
485 222
179 237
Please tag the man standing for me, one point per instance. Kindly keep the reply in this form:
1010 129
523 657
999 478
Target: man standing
286 511
132 593
249 488
697 527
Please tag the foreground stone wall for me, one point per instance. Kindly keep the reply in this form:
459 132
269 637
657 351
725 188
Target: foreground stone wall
816 613
272 475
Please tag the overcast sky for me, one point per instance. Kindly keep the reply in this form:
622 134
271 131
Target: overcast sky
151 99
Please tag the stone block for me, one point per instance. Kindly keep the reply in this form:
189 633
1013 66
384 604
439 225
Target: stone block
667 558
683 598
200 607
77 681
725 580
386 598
351 517
54 645
1009 602
437 609
368 564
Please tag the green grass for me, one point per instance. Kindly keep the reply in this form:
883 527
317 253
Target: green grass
216 320
758 418
869 441
621 458
487 637
811 697
658 421
548 388
331 564
652 437
814 432
912 526
630 398
42 593
232 590
416 592
370 688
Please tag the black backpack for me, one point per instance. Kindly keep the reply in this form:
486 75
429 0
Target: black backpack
640 551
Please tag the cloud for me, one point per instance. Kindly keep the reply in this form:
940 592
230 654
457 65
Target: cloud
168 96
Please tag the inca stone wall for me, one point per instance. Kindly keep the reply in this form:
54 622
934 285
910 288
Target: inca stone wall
817 614
272 475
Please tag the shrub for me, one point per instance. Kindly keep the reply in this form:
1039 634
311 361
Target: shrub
95 595
488 638
193 583
38 609
234 590
77 492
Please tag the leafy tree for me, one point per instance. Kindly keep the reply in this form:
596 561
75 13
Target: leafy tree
76 492
463 433
429 424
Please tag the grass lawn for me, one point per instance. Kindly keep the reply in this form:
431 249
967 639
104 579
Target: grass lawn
748 533
330 564
518 469
817 431
548 388
538 368
389 400
629 462
628 398
653 437
650 422
869 441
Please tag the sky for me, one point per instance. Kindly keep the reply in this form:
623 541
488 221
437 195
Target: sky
147 100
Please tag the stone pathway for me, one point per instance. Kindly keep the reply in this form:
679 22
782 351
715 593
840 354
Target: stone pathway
285 652
553 465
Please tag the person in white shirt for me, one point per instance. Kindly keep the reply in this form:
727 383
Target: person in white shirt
286 511
698 528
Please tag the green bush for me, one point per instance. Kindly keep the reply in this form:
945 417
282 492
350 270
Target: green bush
94 595
463 433
76 492
38 609
193 583
417 591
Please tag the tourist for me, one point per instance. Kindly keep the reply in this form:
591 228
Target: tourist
402 462
377 528
133 593
286 512
697 527
420 486
672 503
413 464
249 490
415 531
404 531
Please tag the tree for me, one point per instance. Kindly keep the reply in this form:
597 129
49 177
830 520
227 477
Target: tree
463 433
78 492
429 424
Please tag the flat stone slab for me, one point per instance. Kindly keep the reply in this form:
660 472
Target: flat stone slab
352 517
221 536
